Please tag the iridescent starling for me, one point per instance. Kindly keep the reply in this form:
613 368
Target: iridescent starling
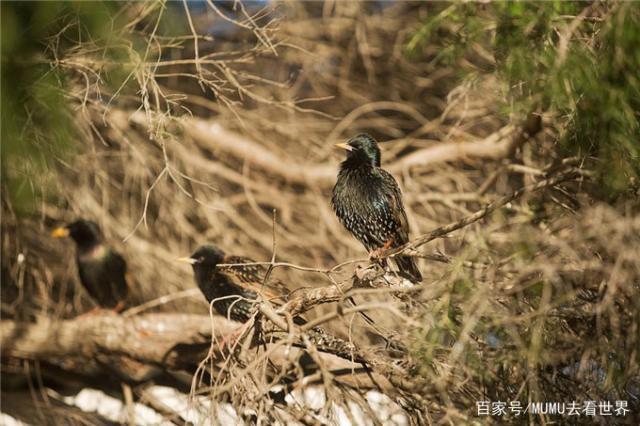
368 202
102 270
235 291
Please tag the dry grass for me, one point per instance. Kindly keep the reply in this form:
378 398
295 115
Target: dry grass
535 302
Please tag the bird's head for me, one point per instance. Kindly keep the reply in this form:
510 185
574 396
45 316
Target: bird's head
204 260
361 149
85 233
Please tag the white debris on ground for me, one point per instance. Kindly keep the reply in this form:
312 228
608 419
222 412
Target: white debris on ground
95 401
7 420
388 412
199 410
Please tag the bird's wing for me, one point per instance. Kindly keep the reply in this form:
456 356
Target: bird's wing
118 267
251 277
243 269
406 264
396 207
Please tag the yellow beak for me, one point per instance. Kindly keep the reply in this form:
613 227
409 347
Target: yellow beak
60 232
345 146
188 260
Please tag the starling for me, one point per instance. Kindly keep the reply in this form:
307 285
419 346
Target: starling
102 270
368 202
234 291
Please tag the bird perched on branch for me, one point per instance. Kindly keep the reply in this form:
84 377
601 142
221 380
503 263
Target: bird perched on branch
102 270
232 289
235 291
368 202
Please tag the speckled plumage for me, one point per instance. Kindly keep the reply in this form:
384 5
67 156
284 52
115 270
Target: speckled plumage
368 202
102 270
233 290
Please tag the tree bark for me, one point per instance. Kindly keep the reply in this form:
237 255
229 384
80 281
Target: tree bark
164 340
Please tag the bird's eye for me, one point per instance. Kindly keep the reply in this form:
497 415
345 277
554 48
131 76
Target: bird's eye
201 259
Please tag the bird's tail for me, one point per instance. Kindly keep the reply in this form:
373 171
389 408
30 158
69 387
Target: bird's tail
325 342
408 268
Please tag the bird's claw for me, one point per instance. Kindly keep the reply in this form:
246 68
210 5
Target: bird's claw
231 340
376 254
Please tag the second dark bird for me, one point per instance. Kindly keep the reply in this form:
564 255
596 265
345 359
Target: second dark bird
368 202
235 290
102 270
232 289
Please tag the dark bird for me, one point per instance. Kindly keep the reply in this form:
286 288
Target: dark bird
368 202
235 291
102 270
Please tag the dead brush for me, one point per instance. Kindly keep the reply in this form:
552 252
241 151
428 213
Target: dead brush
529 294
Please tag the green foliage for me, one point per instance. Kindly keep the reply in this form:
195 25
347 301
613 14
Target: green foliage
36 123
606 92
38 38
575 60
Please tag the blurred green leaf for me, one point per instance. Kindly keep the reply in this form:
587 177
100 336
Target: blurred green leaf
591 80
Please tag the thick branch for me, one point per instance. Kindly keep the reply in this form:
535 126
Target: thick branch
168 340
147 338
498 145
213 135
303 300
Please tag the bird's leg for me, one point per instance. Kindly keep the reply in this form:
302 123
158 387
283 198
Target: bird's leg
232 339
376 253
